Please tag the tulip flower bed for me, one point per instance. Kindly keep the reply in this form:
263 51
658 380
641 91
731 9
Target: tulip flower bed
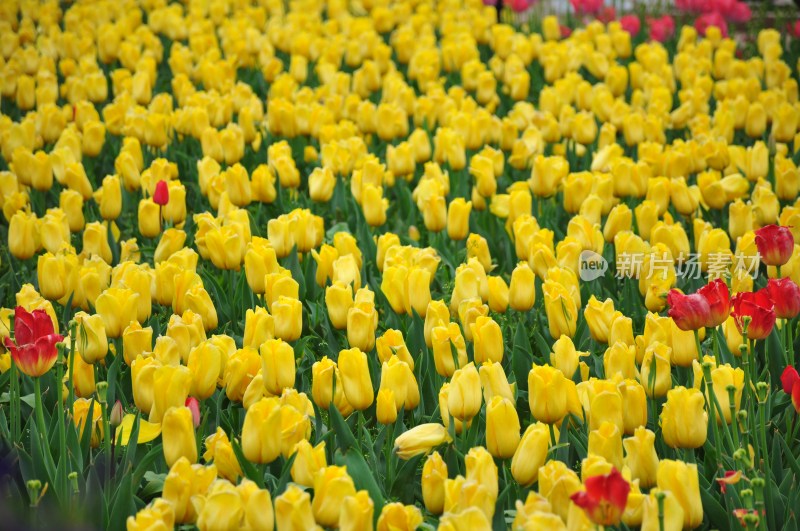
395 265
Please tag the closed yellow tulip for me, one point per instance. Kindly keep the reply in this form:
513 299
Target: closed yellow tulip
549 394
23 235
92 340
332 485
278 365
307 462
205 365
261 439
293 510
682 480
420 439
177 430
530 454
183 481
357 512
434 475
220 450
502 428
684 420
171 386
464 400
398 517
356 379
641 457
522 292
288 316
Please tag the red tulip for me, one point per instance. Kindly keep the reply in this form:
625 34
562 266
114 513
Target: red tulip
775 244
703 22
789 377
518 6
785 295
662 28
34 347
759 307
605 498
631 24
161 194
690 312
718 297
586 6
740 12
606 14
194 407
790 381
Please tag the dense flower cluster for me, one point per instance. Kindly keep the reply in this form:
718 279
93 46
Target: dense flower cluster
368 266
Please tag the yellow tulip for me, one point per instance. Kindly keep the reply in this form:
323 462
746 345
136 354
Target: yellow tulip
502 428
421 439
307 462
293 510
278 365
177 429
356 379
682 480
684 420
261 431
183 481
434 475
332 485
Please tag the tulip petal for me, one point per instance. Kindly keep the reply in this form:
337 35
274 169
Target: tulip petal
147 430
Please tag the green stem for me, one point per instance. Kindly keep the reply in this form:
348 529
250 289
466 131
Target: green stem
62 434
712 414
15 400
660 498
553 440
734 422
789 346
37 389
715 343
71 370
762 432
106 439
699 348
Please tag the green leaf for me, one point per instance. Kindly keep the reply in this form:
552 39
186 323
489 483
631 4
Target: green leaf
364 477
343 434
521 358
248 468
123 504
711 507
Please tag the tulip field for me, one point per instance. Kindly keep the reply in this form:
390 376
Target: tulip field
399 265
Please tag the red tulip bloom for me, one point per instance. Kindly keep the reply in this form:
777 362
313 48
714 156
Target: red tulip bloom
631 24
740 12
759 307
194 407
785 295
662 28
690 312
518 6
718 297
705 21
775 244
34 347
586 6
605 498
790 381
606 14
161 195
